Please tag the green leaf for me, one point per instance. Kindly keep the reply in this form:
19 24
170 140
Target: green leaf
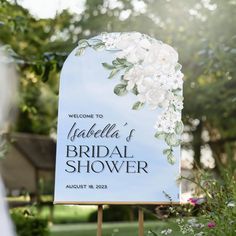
167 151
113 73
179 127
80 51
128 64
171 158
135 90
160 135
83 43
137 106
123 81
115 62
172 140
98 46
120 89
178 67
121 60
108 66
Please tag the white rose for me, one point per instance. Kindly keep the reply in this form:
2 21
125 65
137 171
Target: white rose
155 97
132 54
167 55
133 47
133 76
145 85
153 54
127 40
150 92
177 80
149 70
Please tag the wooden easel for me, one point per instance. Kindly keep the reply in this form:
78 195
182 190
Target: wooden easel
140 221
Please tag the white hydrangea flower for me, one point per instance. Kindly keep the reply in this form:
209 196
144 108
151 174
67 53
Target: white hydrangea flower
177 80
166 122
176 101
164 81
110 40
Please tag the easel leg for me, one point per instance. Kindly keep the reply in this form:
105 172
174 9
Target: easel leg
140 222
99 226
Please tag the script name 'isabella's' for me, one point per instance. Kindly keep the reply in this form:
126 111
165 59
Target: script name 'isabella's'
109 131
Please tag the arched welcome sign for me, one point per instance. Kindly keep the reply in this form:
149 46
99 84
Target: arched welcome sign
119 122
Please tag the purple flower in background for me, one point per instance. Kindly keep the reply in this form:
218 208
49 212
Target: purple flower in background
196 201
211 224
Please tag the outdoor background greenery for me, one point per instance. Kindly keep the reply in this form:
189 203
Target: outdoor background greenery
202 31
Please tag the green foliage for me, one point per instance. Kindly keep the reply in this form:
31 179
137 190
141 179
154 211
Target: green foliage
215 210
120 89
220 206
117 65
137 106
28 225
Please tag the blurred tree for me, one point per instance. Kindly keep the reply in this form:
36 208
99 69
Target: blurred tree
203 32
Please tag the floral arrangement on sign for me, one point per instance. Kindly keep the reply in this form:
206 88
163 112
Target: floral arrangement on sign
149 69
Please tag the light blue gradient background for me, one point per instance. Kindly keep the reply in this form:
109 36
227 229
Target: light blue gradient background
85 89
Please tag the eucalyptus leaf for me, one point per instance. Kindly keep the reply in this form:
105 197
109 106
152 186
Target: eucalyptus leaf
98 46
160 135
115 62
123 81
108 66
172 140
113 73
167 151
171 158
179 127
80 51
121 60
135 90
120 89
83 43
138 106
178 67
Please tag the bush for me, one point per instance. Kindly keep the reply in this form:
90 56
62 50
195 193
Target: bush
28 225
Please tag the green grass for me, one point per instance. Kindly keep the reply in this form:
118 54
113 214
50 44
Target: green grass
112 229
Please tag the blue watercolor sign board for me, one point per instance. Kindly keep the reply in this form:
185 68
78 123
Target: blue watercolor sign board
110 144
